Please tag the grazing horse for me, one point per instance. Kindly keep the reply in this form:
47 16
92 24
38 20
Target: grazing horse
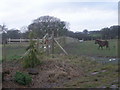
102 43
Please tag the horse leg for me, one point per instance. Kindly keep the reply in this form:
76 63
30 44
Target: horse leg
101 48
98 47
106 47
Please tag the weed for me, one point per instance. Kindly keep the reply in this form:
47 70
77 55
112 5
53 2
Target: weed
22 78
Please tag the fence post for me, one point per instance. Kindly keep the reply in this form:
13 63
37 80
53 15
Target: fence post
20 40
52 44
9 40
47 44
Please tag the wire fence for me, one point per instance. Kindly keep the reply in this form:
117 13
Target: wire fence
72 46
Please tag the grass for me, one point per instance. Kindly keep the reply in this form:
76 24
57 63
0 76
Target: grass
89 48
107 78
14 51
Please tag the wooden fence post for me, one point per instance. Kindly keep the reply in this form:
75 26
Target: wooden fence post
20 40
47 44
52 43
9 40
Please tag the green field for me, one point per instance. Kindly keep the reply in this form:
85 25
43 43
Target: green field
91 49
15 51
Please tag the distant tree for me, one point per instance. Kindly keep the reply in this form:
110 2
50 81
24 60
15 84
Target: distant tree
105 32
114 31
110 33
14 34
47 24
85 31
25 35
95 34
70 34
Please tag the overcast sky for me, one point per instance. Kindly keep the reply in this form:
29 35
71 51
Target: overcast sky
80 14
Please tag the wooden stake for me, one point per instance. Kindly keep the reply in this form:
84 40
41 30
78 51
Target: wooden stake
47 44
52 43
61 47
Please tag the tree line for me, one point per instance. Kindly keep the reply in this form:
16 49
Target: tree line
105 33
47 24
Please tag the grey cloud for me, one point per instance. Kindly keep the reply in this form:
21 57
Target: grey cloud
16 13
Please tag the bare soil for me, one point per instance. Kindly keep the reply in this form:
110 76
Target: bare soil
53 73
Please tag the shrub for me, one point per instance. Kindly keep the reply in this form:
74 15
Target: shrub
22 78
31 59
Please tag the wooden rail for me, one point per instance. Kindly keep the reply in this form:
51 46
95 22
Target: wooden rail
20 40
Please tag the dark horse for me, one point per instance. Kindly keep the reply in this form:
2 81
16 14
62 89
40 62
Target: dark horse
102 43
